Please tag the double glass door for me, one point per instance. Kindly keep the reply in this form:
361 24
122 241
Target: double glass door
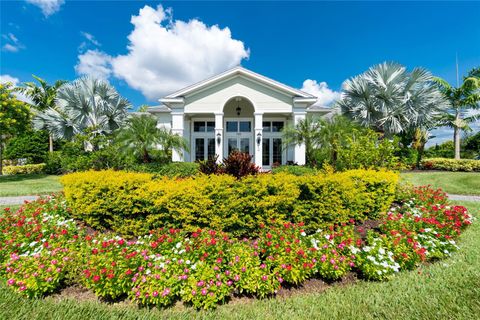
238 136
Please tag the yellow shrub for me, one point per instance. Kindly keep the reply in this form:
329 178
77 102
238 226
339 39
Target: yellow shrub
25 169
451 164
134 203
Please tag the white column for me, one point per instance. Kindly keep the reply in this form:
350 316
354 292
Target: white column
219 136
299 151
258 132
177 128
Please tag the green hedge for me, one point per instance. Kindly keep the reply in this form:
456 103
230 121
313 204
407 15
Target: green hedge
450 164
25 169
134 203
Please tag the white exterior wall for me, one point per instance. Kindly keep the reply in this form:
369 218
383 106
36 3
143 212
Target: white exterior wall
214 98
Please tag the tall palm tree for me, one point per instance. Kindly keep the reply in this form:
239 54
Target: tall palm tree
141 136
43 97
391 100
84 106
462 98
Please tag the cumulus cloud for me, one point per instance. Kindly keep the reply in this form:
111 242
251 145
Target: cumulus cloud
12 43
165 55
4 78
94 63
326 96
48 7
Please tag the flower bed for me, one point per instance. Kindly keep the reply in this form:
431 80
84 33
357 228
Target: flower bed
41 248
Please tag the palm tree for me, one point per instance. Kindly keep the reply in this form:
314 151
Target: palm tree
43 97
84 106
462 98
306 131
141 136
391 100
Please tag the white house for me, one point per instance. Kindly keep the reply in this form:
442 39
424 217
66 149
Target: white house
237 109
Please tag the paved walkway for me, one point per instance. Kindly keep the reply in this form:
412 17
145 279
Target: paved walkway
8 201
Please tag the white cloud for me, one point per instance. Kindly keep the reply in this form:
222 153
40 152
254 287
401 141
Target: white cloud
89 40
165 55
4 78
12 43
94 63
326 96
48 7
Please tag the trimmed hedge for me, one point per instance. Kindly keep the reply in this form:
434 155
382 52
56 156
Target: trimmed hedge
134 203
25 169
451 164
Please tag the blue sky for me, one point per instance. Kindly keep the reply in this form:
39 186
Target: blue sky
177 43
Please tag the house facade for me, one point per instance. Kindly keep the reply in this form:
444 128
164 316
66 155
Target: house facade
237 110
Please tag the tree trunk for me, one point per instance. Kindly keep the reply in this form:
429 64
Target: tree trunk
456 135
50 143
146 156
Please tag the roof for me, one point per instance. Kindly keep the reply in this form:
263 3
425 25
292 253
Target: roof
241 72
159 108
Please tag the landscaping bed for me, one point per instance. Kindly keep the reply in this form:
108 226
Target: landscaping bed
44 250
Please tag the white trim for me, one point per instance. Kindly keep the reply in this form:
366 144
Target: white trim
227 74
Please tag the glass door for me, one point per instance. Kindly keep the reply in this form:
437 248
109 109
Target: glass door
238 136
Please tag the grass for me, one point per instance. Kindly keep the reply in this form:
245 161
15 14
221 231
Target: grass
447 289
28 184
451 182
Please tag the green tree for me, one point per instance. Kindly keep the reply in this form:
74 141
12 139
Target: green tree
391 100
307 132
462 99
86 106
43 97
15 117
141 137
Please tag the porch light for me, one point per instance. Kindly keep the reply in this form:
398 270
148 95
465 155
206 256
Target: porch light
259 138
219 138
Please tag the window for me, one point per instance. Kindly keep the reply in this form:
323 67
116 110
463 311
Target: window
232 126
204 148
272 126
266 152
277 151
203 126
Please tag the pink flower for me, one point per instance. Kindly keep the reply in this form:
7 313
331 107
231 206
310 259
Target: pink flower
155 293
166 292
335 267
229 283
204 291
236 278
244 269
22 288
194 292
280 279
11 282
352 264
332 261
264 278
323 258
54 262
262 266
227 272
200 284
219 283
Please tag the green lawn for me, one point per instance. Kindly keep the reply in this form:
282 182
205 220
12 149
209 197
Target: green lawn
448 289
451 182
28 184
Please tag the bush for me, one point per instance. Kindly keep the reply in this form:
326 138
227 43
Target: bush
134 203
239 164
32 146
450 164
295 170
26 169
174 169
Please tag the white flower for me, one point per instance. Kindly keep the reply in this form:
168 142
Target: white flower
303 233
367 249
379 272
178 245
381 251
188 262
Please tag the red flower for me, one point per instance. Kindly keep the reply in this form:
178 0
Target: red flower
269 235
96 278
94 251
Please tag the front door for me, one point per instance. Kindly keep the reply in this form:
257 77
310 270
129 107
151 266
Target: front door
238 136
